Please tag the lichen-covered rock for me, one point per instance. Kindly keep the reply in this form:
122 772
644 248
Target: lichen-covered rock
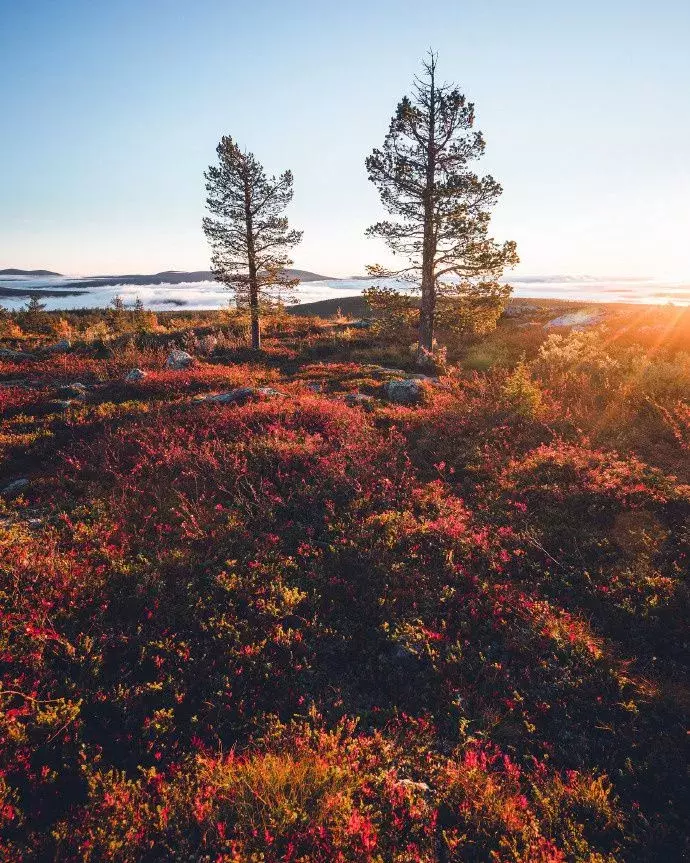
178 360
14 488
242 395
73 391
577 320
59 347
359 400
6 354
404 392
136 375
59 404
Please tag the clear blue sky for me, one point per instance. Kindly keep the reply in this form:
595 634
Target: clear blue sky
111 110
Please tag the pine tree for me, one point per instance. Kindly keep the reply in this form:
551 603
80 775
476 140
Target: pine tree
442 208
33 313
248 235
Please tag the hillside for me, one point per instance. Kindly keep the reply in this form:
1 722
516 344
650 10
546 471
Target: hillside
172 277
15 272
307 606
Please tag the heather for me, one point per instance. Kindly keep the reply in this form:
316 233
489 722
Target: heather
305 626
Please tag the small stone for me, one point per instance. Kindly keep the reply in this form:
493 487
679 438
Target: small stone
178 360
414 786
577 320
241 395
359 400
15 487
6 354
406 392
59 347
73 391
135 375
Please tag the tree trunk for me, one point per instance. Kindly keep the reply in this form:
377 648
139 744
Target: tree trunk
428 304
253 281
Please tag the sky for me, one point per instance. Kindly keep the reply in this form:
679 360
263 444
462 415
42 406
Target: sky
112 109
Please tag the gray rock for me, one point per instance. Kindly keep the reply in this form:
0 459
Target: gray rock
241 395
384 370
515 311
15 487
178 360
360 325
414 786
405 392
73 391
359 400
6 354
577 320
59 347
135 375
420 377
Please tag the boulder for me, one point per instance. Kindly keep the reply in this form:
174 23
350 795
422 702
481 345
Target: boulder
359 400
241 395
404 392
577 320
414 786
420 377
59 347
135 375
384 370
177 360
15 487
516 310
73 391
17 356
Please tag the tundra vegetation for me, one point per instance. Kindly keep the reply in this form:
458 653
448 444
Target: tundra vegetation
303 622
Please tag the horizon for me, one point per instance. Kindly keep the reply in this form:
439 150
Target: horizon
589 147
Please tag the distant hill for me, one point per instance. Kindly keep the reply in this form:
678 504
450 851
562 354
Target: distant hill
14 272
171 277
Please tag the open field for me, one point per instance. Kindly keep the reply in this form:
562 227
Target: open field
344 614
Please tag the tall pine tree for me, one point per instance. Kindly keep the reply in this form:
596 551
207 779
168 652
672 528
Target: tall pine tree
441 208
248 235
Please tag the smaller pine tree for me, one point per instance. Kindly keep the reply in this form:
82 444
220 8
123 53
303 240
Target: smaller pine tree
33 314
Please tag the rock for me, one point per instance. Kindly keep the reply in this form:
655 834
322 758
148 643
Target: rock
241 395
360 325
15 487
6 354
315 388
60 404
359 400
515 311
414 786
405 392
577 320
59 347
420 377
73 391
383 370
178 360
135 375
